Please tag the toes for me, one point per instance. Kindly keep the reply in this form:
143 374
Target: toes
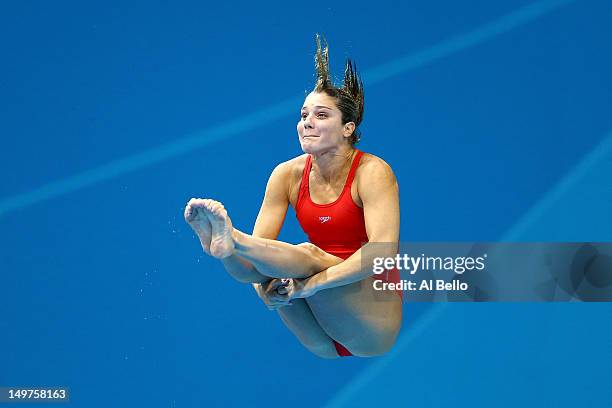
189 210
220 212
206 203
208 206
216 204
215 207
199 207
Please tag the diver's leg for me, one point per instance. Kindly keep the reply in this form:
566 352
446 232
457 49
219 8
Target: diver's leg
362 319
301 322
240 269
279 259
365 322
271 258
252 259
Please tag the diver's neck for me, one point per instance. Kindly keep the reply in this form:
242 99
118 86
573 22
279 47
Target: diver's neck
332 164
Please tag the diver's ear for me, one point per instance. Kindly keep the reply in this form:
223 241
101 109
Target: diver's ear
348 129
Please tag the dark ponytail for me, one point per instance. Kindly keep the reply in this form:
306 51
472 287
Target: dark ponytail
349 97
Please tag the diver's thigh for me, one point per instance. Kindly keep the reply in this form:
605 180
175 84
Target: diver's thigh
301 322
357 316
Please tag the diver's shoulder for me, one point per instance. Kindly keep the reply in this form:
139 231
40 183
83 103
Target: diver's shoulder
298 161
372 165
292 166
373 162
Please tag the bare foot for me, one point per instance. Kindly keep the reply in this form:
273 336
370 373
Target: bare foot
195 216
221 243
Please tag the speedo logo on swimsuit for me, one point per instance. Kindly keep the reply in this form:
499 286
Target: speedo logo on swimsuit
324 219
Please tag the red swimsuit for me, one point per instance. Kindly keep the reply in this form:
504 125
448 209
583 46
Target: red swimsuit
337 228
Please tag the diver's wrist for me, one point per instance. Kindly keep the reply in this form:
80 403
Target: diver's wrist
314 284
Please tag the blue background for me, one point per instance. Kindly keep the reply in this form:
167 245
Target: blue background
495 117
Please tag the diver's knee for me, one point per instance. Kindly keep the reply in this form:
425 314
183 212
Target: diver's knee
315 252
311 250
310 247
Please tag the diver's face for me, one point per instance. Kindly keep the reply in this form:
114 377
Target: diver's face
320 128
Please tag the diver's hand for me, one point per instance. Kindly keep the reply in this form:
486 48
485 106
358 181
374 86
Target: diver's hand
269 293
291 289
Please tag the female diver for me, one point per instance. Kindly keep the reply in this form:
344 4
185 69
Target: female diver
345 201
